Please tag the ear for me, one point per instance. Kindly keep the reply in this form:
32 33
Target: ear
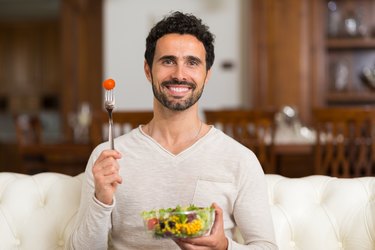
147 70
208 76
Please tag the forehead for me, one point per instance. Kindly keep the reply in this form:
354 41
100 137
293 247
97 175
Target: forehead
177 44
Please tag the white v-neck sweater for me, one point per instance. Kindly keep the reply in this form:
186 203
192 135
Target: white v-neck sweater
214 169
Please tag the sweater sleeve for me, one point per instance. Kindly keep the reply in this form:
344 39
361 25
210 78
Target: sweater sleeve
252 212
93 221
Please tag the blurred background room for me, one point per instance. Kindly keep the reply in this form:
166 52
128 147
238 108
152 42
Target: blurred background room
280 67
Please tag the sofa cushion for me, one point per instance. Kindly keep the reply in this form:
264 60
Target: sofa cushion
37 212
321 212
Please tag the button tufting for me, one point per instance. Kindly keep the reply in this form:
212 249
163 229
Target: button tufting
319 201
275 201
18 242
43 202
60 243
292 243
339 244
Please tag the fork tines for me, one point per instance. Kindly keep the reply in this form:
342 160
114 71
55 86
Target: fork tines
109 99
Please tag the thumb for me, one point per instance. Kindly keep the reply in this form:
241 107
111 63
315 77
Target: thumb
218 222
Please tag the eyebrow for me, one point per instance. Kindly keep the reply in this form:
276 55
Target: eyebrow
194 58
167 58
170 57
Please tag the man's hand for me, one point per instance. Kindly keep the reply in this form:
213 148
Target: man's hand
106 175
215 241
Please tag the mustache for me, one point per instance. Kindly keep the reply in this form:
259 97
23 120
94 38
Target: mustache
177 82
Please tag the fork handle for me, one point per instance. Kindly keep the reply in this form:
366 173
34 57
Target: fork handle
110 132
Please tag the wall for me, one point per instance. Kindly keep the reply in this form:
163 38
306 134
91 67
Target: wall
126 25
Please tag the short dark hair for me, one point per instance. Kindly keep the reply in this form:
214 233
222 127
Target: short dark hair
181 23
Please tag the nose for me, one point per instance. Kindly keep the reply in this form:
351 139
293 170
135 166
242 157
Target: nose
179 73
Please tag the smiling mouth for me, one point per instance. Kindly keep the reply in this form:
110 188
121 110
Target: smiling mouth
178 91
177 88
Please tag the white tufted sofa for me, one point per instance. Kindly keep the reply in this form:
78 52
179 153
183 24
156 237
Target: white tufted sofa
323 213
37 212
311 213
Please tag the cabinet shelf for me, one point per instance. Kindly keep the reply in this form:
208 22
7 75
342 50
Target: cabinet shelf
352 97
350 43
346 56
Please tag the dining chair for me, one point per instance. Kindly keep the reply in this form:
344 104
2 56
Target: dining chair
28 135
123 122
41 149
254 129
345 141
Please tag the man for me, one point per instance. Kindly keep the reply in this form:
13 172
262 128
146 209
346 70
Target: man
175 159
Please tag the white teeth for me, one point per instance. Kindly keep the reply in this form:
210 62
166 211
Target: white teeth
179 89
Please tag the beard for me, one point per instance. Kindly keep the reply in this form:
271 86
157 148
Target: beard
172 104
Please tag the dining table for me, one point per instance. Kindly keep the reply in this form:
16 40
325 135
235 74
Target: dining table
62 157
293 150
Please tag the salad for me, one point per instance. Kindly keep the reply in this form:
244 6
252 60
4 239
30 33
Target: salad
179 222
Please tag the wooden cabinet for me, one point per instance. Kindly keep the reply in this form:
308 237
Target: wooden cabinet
283 51
44 60
50 75
349 52
301 59
54 61
30 56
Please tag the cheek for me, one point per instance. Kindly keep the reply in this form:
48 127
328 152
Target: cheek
161 74
200 77
194 73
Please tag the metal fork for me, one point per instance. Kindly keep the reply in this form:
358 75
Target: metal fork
109 105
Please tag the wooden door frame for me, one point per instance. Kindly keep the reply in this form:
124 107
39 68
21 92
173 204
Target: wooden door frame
82 49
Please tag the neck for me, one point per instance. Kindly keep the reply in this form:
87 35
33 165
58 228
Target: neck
175 132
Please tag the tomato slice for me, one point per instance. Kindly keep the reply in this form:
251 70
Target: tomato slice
151 223
109 84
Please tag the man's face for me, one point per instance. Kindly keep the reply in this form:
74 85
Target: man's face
179 71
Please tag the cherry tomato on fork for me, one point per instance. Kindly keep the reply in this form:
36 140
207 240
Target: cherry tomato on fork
109 84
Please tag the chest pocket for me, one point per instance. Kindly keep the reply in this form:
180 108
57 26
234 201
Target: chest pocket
222 191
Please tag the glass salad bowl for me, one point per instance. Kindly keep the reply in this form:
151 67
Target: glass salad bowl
179 222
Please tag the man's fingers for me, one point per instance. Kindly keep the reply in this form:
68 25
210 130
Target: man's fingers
106 175
218 224
111 180
184 245
106 161
109 167
108 153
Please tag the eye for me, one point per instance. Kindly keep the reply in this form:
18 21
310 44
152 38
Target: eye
193 62
168 61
